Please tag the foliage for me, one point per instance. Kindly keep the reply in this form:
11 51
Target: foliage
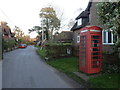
109 15
18 32
105 81
58 51
110 68
50 20
37 29
42 52
52 44
9 44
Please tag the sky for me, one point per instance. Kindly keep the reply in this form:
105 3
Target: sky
25 13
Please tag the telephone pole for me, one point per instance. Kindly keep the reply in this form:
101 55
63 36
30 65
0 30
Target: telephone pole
42 30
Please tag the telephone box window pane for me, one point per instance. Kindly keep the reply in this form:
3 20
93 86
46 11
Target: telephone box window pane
96 45
109 37
83 37
96 37
83 62
83 51
96 64
96 57
96 53
96 49
96 41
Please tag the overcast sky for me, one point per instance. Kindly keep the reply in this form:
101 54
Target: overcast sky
25 13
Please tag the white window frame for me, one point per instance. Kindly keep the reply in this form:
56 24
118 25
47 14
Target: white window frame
79 21
112 43
78 39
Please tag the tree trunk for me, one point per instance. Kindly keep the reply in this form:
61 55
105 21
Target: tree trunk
47 35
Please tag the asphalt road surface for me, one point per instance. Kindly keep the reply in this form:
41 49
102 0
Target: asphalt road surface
23 68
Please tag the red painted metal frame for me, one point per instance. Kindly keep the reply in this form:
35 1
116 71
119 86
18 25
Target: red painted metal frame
89 32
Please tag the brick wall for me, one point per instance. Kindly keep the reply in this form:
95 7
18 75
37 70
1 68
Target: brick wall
76 50
76 33
108 48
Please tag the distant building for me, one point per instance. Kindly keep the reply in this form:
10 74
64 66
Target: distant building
64 36
7 34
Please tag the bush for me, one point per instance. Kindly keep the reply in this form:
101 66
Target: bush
110 68
42 52
54 44
57 51
8 44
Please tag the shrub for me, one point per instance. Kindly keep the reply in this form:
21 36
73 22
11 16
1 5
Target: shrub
8 44
110 68
57 51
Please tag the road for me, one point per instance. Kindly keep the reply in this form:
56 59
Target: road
23 68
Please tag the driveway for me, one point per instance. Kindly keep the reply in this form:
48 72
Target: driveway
23 68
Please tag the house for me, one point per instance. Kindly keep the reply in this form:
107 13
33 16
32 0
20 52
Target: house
64 36
7 34
89 17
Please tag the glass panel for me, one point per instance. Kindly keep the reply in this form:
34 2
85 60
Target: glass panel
95 64
104 37
83 62
109 37
96 53
83 51
96 37
96 41
96 45
96 49
83 37
96 57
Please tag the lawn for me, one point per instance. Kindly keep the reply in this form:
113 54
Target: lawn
65 64
71 64
105 81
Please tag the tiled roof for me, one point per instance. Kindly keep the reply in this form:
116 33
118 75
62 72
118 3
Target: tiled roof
74 26
84 14
78 27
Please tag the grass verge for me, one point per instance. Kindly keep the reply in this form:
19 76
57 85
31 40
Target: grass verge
42 52
105 81
70 65
65 64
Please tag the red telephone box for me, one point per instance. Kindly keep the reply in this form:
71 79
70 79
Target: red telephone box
90 49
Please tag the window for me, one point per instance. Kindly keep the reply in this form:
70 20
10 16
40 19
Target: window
78 39
108 37
79 22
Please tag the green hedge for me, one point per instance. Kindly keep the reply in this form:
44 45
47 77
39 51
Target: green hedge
57 51
9 44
